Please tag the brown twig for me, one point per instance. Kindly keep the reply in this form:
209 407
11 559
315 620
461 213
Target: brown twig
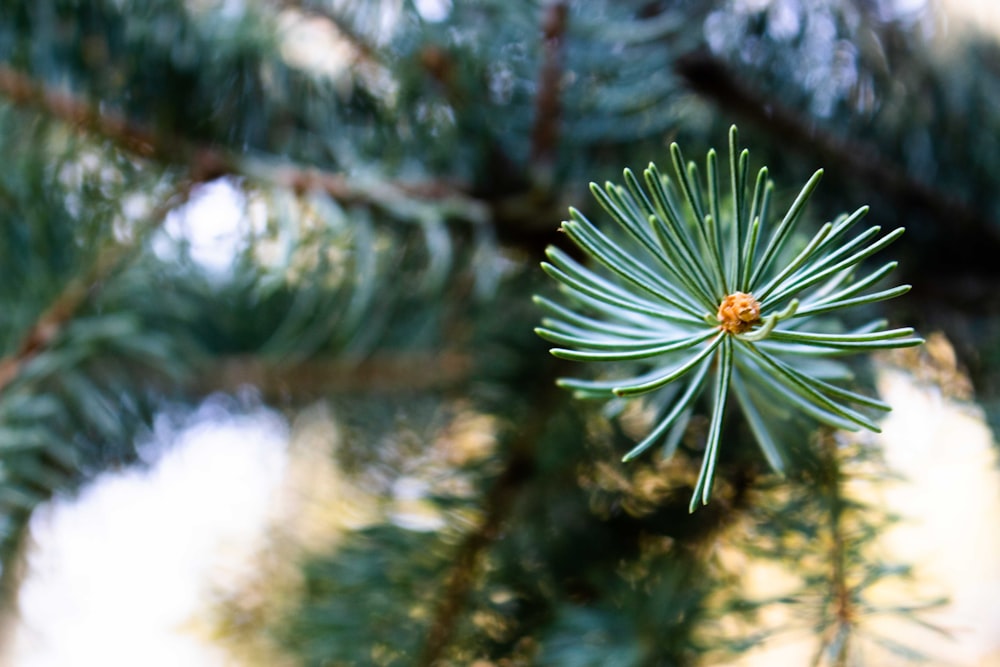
498 504
713 79
47 327
23 91
843 603
205 163
545 133
382 373
466 563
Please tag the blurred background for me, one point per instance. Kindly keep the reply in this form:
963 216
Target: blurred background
269 389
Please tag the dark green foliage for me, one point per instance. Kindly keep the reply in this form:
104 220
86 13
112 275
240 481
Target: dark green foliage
397 201
72 405
369 603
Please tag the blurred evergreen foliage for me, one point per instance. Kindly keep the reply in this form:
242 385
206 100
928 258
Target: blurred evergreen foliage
402 166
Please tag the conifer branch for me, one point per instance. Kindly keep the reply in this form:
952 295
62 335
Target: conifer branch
518 470
203 164
78 290
206 163
695 302
713 79
23 91
842 596
467 560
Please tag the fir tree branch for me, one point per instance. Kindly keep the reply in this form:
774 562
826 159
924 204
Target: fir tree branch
23 91
466 563
499 502
842 597
77 291
712 78
205 163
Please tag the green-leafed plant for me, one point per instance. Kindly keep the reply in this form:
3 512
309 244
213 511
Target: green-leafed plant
698 287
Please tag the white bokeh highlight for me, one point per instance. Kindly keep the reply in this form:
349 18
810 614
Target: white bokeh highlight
211 228
120 575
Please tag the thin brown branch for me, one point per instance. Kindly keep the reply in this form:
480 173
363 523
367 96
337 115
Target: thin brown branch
714 80
50 323
956 258
545 134
465 566
498 504
205 163
843 603
383 373
23 91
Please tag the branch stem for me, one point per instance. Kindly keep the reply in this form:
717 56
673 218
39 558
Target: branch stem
206 163
843 605
545 133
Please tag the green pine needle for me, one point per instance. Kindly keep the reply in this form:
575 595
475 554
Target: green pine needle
698 286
